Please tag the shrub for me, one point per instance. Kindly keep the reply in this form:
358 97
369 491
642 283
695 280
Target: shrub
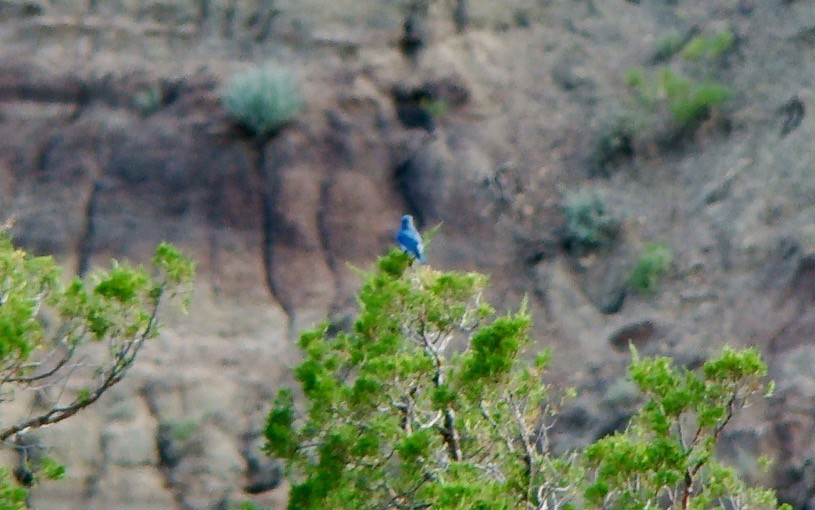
589 224
263 99
669 46
686 91
696 102
708 46
616 142
431 401
690 101
653 262
687 100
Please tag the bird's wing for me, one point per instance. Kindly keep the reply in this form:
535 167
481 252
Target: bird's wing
409 242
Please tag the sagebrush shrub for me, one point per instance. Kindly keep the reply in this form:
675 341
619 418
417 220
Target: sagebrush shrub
263 99
589 223
616 141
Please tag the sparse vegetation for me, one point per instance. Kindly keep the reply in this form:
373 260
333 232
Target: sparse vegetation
616 142
183 430
683 89
651 265
691 103
669 46
438 108
589 223
263 99
12 496
708 46
431 401
246 505
148 99
686 100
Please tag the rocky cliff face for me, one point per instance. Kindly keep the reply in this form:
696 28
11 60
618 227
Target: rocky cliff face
114 139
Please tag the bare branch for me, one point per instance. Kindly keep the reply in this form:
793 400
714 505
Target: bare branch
122 362
44 375
495 427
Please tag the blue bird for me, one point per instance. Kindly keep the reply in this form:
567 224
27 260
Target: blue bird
410 240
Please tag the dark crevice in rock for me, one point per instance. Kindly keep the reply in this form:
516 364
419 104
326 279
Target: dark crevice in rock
618 424
461 15
325 236
414 35
403 186
262 20
792 113
69 93
411 108
262 473
270 226
29 453
228 21
42 159
85 247
83 100
170 452
611 300
204 9
117 92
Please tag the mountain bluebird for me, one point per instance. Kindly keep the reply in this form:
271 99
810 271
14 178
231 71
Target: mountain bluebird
410 240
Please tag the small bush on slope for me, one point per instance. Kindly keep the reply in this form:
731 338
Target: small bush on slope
263 99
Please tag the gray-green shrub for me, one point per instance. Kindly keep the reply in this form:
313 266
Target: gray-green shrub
589 223
615 142
263 99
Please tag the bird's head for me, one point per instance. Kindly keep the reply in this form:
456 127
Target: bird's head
407 221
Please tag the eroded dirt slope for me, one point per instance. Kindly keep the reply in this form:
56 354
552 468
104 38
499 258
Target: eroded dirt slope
113 139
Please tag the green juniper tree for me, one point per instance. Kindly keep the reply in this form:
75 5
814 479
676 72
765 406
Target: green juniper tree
70 342
401 415
666 458
433 401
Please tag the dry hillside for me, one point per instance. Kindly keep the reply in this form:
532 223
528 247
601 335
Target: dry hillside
483 115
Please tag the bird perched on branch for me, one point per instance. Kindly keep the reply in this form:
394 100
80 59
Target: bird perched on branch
410 240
